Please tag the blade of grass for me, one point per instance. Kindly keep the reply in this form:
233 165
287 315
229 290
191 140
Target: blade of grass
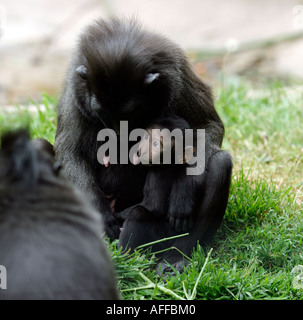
151 284
162 240
194 293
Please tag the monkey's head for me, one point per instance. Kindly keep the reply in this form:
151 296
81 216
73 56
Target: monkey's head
23 167
123 72
160 139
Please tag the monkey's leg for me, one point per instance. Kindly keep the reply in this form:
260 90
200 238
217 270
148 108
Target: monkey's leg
211 213
141 227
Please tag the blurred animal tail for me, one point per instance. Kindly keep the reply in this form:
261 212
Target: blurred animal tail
18 160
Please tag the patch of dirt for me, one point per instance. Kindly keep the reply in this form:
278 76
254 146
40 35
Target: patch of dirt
37 38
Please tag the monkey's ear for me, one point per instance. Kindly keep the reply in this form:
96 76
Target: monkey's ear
57 167
151 77
82 72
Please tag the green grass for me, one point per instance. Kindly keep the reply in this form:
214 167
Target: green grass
42 122
260 240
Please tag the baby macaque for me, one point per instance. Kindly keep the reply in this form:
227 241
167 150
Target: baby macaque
158 194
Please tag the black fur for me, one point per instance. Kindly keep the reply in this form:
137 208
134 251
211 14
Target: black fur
158 197
44 145
50 238
136 75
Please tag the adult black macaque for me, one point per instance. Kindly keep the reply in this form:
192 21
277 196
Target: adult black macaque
50 241
123 72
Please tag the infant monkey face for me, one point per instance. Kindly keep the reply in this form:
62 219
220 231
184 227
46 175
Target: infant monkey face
150 147
157 146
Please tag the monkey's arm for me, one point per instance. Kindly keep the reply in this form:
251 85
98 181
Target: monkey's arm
187 189
155 198
184 197
157 190
80 175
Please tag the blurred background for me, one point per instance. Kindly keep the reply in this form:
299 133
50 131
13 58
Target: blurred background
258 41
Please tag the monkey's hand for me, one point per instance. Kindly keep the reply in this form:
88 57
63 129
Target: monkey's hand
104 206
180 218
112 227
181 207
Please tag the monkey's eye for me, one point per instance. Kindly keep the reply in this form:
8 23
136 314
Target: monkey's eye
156 144
147 136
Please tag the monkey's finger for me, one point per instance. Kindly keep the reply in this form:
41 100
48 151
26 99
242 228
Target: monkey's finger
178 225
172 222
185 225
